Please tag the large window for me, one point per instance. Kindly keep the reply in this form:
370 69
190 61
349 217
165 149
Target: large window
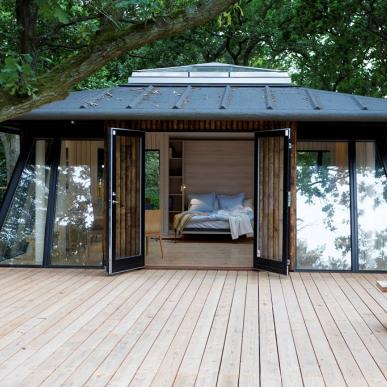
323 206
371 208
79 213
9 153
22 233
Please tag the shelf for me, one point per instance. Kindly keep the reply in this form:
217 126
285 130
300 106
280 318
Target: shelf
175 194
175 176
175 158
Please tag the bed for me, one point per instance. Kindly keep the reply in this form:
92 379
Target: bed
219 214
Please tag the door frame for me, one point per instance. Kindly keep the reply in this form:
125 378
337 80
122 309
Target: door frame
281 267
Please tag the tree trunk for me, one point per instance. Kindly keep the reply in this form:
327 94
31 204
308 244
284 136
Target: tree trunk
26 17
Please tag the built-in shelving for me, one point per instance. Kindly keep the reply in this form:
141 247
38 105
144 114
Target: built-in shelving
176 173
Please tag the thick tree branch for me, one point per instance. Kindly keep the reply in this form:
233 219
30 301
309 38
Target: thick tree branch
110 44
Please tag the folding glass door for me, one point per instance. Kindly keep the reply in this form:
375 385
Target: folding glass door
125 200
272 200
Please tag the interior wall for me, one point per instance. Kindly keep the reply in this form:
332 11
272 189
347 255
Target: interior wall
225 167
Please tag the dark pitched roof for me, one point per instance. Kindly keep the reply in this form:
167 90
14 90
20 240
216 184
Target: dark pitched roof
144 101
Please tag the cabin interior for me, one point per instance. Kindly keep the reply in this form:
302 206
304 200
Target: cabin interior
194 166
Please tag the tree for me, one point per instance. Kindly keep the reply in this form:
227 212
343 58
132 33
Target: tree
60 43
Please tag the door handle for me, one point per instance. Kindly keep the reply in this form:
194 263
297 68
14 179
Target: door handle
115 202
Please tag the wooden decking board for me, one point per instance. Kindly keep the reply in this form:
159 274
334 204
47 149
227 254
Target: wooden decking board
289 364
347 363
269 360
146 370
40 314
207 374
361 307
167 370
103 361
322 350
90 335
203 350
230 363
185 328
368 338
359 350
44 345
309 367
249 364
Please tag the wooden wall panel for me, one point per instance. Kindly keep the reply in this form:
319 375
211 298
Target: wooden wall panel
225 167
271 203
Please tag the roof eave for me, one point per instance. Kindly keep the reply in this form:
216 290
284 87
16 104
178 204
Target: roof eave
139 114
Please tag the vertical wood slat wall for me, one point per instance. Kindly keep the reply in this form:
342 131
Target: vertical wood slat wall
128 230
225 126
271 191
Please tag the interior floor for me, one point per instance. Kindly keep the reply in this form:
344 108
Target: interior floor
216 251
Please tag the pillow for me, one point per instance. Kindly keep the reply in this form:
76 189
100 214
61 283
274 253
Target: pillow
231 201
201 202
248 203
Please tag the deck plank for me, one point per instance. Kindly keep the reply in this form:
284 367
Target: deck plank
345 358
213 320
249 369
186 327
325 357
359 350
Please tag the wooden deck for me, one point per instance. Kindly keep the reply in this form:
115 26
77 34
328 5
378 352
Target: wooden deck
185 328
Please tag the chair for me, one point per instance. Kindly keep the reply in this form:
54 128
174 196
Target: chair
153 228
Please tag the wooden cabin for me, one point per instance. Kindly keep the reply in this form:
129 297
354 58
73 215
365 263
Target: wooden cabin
244 169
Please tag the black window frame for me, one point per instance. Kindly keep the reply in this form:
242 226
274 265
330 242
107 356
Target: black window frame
350 133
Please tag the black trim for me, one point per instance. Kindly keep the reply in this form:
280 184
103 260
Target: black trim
52 190
14 182
281 266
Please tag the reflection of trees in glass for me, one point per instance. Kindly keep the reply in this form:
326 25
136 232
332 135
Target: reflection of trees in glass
372 209
18 229
9 152
74 215
325 187
152 178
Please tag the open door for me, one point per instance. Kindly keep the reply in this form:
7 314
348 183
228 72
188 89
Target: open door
125 200
272 200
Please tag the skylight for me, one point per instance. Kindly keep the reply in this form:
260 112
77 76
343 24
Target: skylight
210 73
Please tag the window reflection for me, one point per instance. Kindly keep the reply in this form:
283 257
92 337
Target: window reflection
9 153
79 213
323 206
22 234
372 208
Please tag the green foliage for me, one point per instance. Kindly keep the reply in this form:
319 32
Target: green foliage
152 178
16 75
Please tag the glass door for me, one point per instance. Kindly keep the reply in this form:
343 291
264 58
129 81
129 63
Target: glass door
125 200
272 200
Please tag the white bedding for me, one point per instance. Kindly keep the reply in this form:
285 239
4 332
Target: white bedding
239 221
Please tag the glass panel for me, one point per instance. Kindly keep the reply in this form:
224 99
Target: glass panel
79 213
128 196
22 234
270 198
9 153
152 179
323 206
371 207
